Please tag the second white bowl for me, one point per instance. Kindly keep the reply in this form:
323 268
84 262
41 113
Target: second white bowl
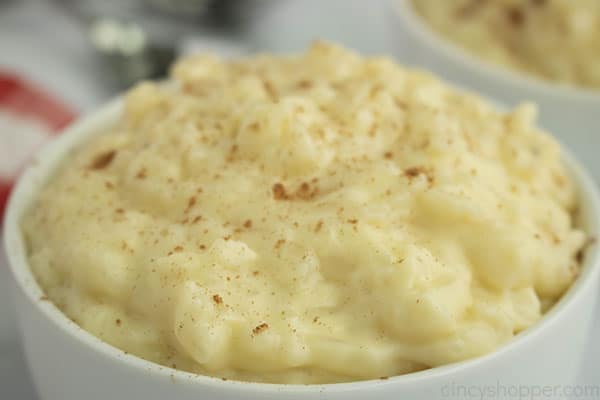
572 114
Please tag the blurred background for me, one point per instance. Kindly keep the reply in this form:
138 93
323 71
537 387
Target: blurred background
60 59
85 51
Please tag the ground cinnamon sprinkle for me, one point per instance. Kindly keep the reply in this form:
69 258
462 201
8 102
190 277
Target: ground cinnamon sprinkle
516 16
260 328
318 226
279 192
248 224
141 174
232 151
268 86
414 172
217 299
304 192
304 84
191 203
279 243
118 322
579 256
400 104
103 160
388 155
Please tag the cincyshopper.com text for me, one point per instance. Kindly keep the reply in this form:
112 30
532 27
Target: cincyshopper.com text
520 392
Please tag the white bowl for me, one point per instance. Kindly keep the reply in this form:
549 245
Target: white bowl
571 113
68 363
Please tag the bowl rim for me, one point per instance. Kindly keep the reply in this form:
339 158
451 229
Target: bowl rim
49 158
505 75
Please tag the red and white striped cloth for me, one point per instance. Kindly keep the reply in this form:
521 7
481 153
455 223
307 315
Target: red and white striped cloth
28 117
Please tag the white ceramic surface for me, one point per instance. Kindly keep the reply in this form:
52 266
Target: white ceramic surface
68 363
571 114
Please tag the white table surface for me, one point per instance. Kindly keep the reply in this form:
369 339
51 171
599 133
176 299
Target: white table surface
42 44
